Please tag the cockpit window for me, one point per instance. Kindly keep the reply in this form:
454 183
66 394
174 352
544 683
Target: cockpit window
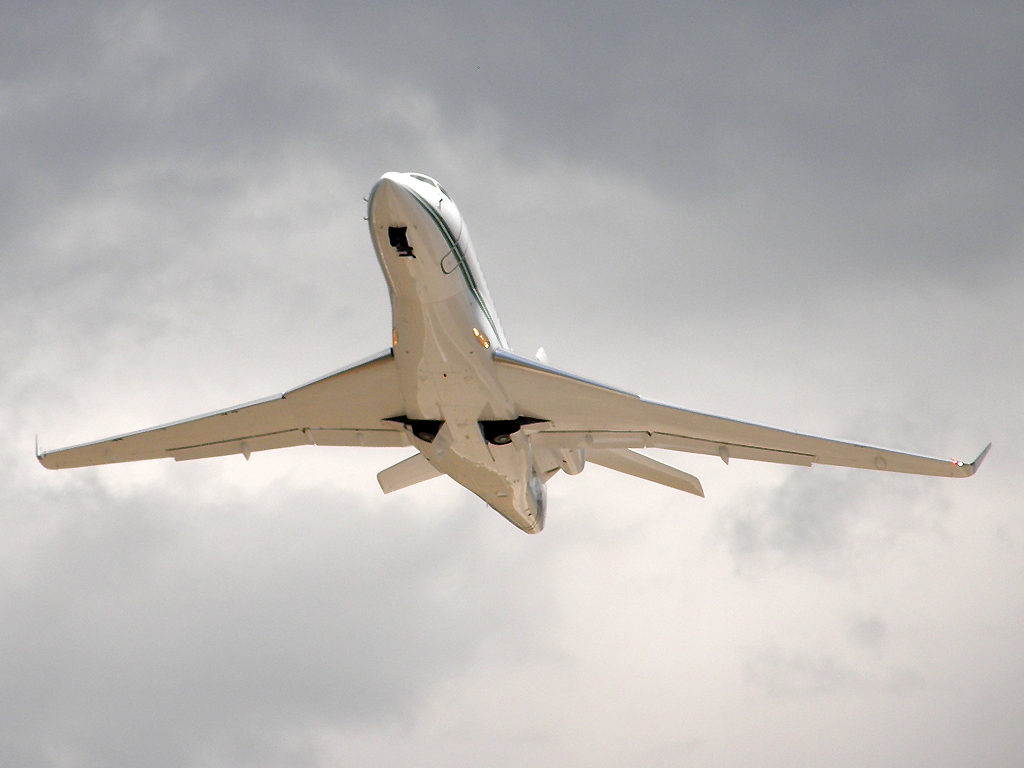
429 180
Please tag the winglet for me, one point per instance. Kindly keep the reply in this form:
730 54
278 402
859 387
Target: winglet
42 457
976 464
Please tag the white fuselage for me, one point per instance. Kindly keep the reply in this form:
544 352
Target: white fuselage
445 331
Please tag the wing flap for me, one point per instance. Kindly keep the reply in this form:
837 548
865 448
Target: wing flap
367 438
245 446
579 439
726 450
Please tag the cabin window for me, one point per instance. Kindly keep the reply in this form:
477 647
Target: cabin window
429 180
400 241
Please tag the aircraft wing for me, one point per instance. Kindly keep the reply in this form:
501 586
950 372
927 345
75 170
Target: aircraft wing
346 407
577 413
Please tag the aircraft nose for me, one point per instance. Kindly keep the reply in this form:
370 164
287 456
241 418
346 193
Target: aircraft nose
387 184
388 193
411 192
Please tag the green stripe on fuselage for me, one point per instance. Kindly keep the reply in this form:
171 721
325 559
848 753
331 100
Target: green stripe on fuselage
460 257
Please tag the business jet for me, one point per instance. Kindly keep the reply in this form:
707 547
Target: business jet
497 423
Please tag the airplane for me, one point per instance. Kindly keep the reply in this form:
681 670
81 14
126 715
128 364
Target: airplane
497 423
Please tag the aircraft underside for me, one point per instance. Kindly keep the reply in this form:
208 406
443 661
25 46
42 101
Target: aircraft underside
499 424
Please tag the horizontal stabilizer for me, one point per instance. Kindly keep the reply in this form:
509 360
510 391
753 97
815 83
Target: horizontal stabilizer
413 470
636 464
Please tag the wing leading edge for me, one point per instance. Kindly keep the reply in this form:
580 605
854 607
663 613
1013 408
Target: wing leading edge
347 407
577 413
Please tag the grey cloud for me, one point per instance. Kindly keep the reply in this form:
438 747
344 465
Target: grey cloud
820 518
868 632
798 674
820 675
145 629
887 139
804 214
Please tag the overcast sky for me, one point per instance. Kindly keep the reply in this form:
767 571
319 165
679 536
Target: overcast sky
804 214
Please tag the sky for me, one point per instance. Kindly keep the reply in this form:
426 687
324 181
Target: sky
803 214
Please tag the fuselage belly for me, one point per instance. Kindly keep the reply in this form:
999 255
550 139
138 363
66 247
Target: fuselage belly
444 333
